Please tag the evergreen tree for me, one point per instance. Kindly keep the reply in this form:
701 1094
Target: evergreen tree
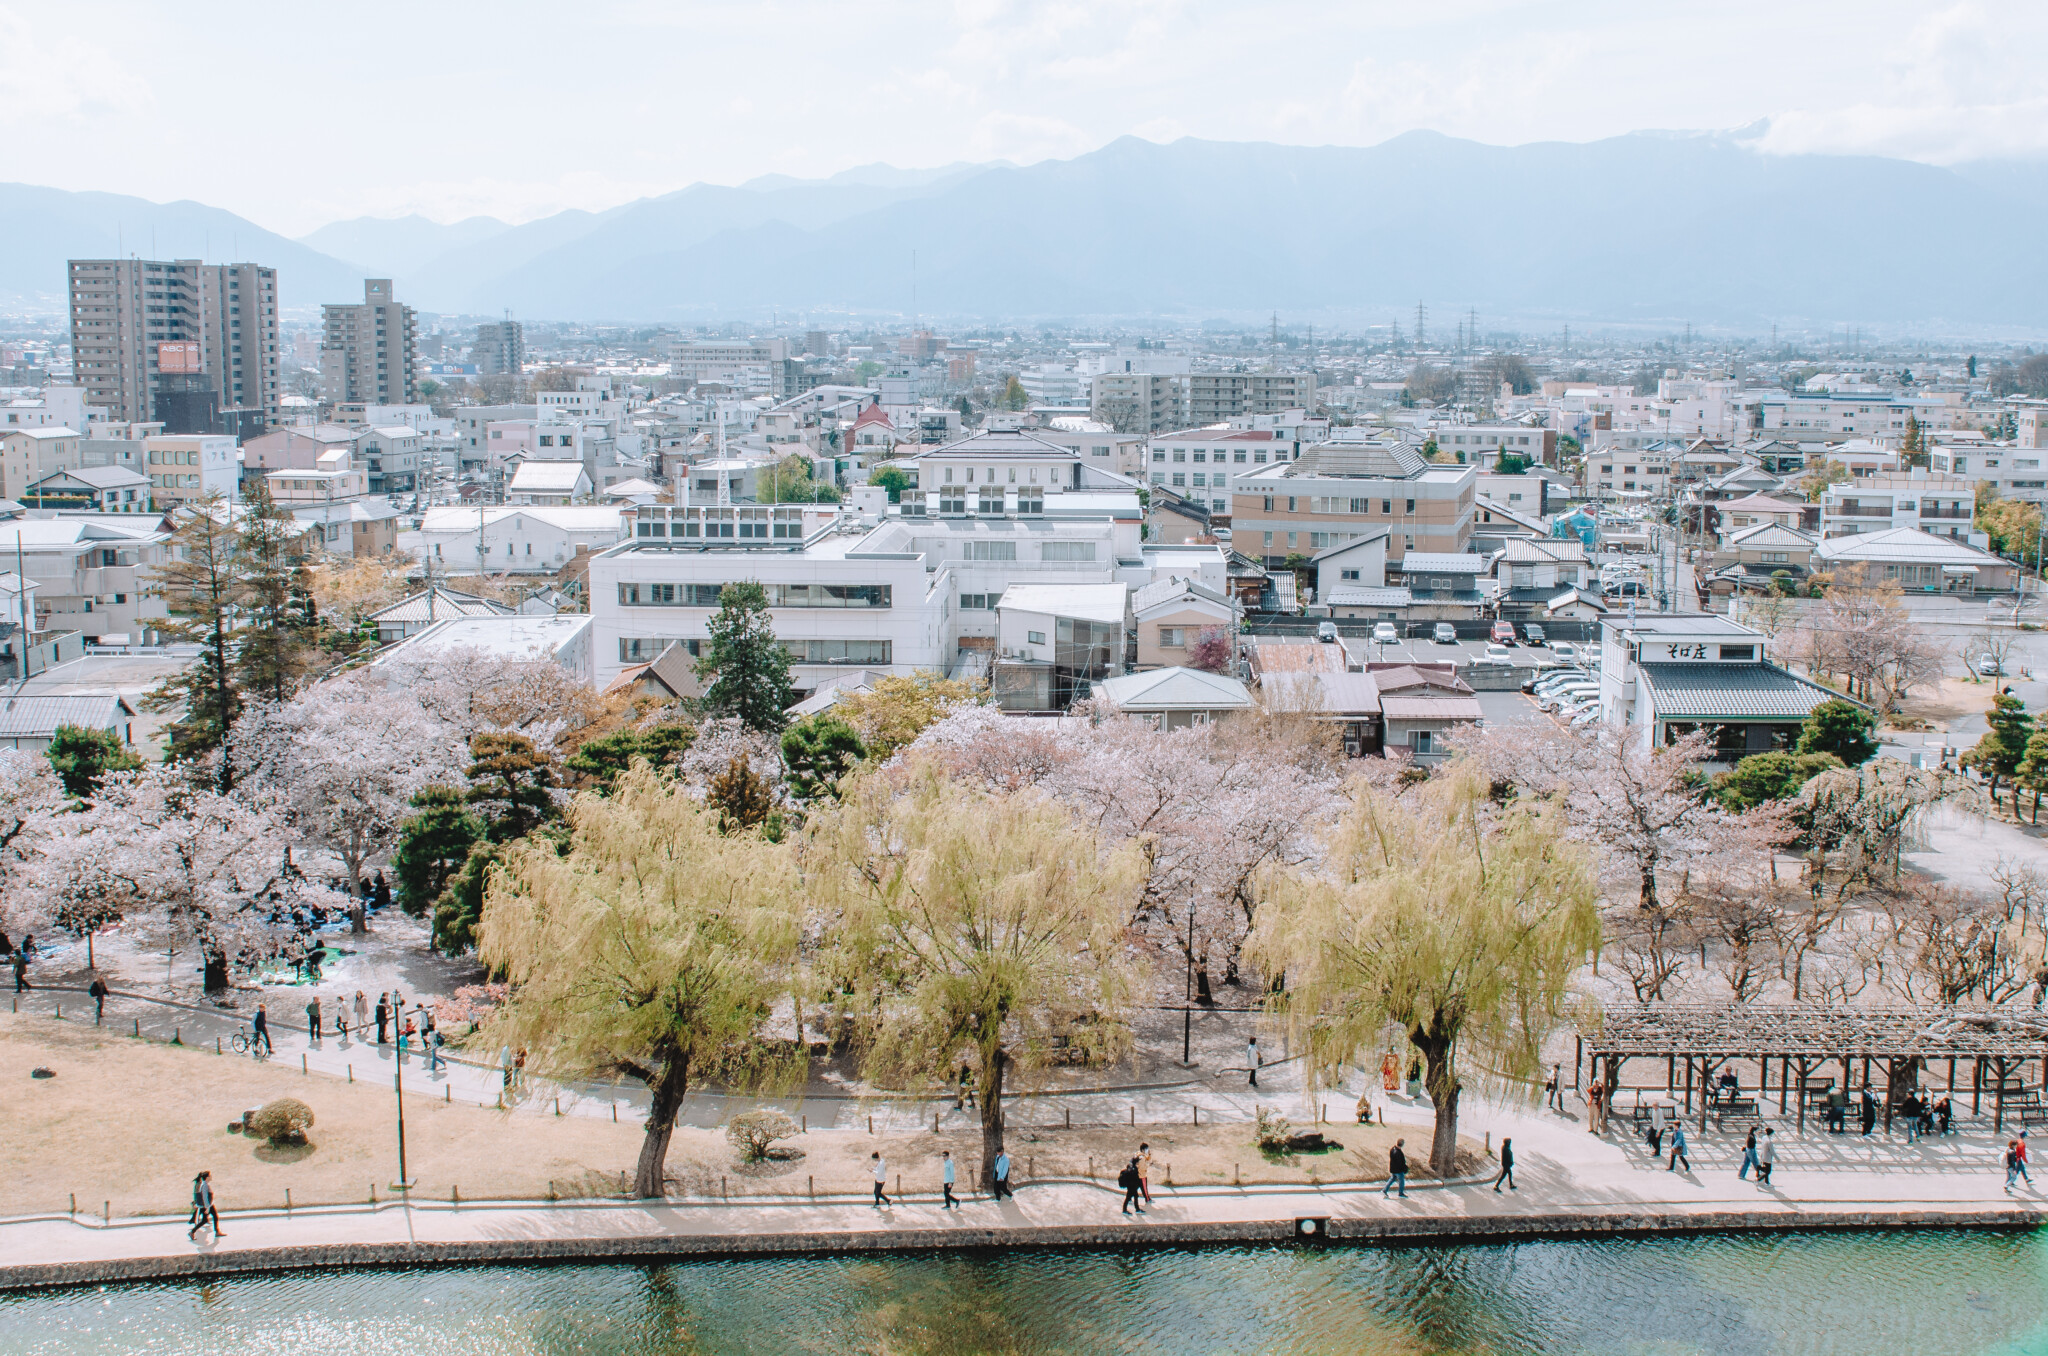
744 799
745 670
1841 728
81 757
1997 755
462 903
200 583
277 588
1776 775
433 846
2032 772
512 783
605 760
817 752
892 479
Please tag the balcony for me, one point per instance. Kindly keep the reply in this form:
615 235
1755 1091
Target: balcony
1853 510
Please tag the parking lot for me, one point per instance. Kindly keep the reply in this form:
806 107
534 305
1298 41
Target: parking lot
1421 650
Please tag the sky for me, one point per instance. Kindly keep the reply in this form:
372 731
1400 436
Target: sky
295 115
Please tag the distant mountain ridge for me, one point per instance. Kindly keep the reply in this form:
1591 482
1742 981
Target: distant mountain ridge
1650 227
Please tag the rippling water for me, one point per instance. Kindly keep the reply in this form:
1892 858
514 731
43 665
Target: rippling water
1899 1294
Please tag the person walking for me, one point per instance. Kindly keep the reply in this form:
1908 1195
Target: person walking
1553 1094
21 984
1251 1058
2012 1162
204 1212
383 1018
881 1173
1002 1175
946 1179
1128 1180
505 1063
1869 1108
1766 1157
260 1037
1909 1110
362 1012
1748 1157
1596 1103
1507 1166
1678 1149
405 1035
98 993
313 1020
519 1068
433 1043
1397 1170
2019 1158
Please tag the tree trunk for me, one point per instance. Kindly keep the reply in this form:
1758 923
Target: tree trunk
216 971
1649 895
668 1087
993 1067
1203 993
1442 1083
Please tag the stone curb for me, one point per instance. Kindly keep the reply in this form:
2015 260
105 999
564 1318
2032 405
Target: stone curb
656 1247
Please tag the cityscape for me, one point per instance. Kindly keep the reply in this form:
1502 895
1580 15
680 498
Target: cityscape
1068 715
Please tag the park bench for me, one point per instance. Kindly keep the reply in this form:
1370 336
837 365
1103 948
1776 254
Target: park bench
1739 1108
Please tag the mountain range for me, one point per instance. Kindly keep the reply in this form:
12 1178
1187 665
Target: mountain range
1649 228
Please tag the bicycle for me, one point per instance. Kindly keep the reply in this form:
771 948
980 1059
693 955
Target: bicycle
242 1042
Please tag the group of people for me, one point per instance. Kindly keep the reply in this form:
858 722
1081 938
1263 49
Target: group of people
411 1029
878 1168
20 958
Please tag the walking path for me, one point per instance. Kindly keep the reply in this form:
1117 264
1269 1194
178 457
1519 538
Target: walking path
1567 1180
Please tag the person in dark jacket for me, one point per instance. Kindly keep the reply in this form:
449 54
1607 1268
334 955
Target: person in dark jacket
383 1017
1507 1165
1128 1180
1397 1170
204 1211
98 994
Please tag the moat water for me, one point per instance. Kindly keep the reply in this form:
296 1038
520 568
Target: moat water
1919 1293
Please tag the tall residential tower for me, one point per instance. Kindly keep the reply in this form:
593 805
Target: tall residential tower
177 341
369 352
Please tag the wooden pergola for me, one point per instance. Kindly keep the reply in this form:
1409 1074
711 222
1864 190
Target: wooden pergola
1806 1038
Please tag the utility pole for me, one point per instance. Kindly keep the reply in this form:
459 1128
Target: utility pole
1420 316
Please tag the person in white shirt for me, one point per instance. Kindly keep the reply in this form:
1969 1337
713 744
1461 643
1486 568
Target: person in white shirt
881 1180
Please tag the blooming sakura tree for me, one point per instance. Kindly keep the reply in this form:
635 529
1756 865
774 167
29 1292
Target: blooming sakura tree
32 801
475 691
182 865
343 760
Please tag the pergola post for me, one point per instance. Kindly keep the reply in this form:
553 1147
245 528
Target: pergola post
1688 1085
1706 1081
1671 1072
1951 1075
1977 1088
1578 1058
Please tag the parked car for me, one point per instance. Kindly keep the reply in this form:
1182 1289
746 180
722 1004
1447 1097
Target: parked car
1327 633
1533 633
1564 651
1503 633
1568 698
1498 654
1386 633
1551 682
1446 634
1988 665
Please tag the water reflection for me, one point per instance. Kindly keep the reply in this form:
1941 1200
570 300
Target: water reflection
1930 1294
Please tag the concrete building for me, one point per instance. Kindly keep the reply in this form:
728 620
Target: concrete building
145 328
369 351
1172 615
1941 504
1338 491
1665 675
90 573
392 457
29 454
1177 460
1215 397
105 489
1139 402
500 348
185 468
522 540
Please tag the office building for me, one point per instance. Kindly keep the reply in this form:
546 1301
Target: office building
500 348
1341 490
200 339
369 352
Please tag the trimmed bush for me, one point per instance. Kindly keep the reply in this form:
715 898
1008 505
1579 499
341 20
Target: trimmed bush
284 1121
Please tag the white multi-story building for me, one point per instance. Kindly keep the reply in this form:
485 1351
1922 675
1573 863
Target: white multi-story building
2013 470
517 540
1188 462
1943 505
1802 416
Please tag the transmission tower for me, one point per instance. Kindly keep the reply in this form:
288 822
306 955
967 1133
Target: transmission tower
1420 316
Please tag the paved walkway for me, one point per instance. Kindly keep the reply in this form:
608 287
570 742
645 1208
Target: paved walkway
1565 1177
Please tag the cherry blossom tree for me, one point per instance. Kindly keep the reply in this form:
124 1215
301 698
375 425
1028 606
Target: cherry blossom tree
343 760
475 691
183 866
32 802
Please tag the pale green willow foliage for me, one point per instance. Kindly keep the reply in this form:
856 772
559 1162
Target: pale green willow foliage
975 929
1460 921
658 948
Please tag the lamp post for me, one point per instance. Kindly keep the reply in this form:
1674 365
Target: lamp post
404 1182
1187 1009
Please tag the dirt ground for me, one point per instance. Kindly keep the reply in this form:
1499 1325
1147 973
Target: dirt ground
130 1121
1940 706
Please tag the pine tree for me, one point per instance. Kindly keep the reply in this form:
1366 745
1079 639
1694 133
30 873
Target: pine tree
81 757
200 583
817 752
512 782
270 558
744 668
1841 728
433 846
1997 755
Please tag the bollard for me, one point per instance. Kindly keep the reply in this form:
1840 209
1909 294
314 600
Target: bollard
60 1012
1489 1144
615 1113
106 1213
287 1200
871 1125
1134 1118
351 1073
551 1188
558 1104
1234 1179
1069 1113
177 1036
899 1184
302 1061
138 1028
935 1122
721 1189
812 1186
806 1123
373 1193
216 1045
448 1095
455 1195
1198 1115
74 1202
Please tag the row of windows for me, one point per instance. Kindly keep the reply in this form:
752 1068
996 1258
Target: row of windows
779 595
840 651
646 649
1259 457
988 502
1326 504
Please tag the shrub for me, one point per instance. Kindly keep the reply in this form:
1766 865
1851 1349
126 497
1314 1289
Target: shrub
284 1121
752 1132
1271 1132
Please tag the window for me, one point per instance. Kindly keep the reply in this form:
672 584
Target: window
1180 478
1172 638
1204 456
1159 456
1774 558
1411 506
1180 456
1259 457
1269 503
1738 652
1387 507
1065 550
1159 477
979 602
839 651
642 649
1421 741
1035 637
991 550
1238 456
1351 575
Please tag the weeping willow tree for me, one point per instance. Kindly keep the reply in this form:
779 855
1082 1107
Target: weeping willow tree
1459 920
655 948
976 928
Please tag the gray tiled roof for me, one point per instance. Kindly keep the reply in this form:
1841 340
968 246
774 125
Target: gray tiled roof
1731 692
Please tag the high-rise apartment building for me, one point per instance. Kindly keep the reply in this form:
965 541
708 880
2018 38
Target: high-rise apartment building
500 348
369 352
201 336
1218 397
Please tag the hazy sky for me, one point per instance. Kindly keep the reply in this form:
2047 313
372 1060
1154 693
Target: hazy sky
295 114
